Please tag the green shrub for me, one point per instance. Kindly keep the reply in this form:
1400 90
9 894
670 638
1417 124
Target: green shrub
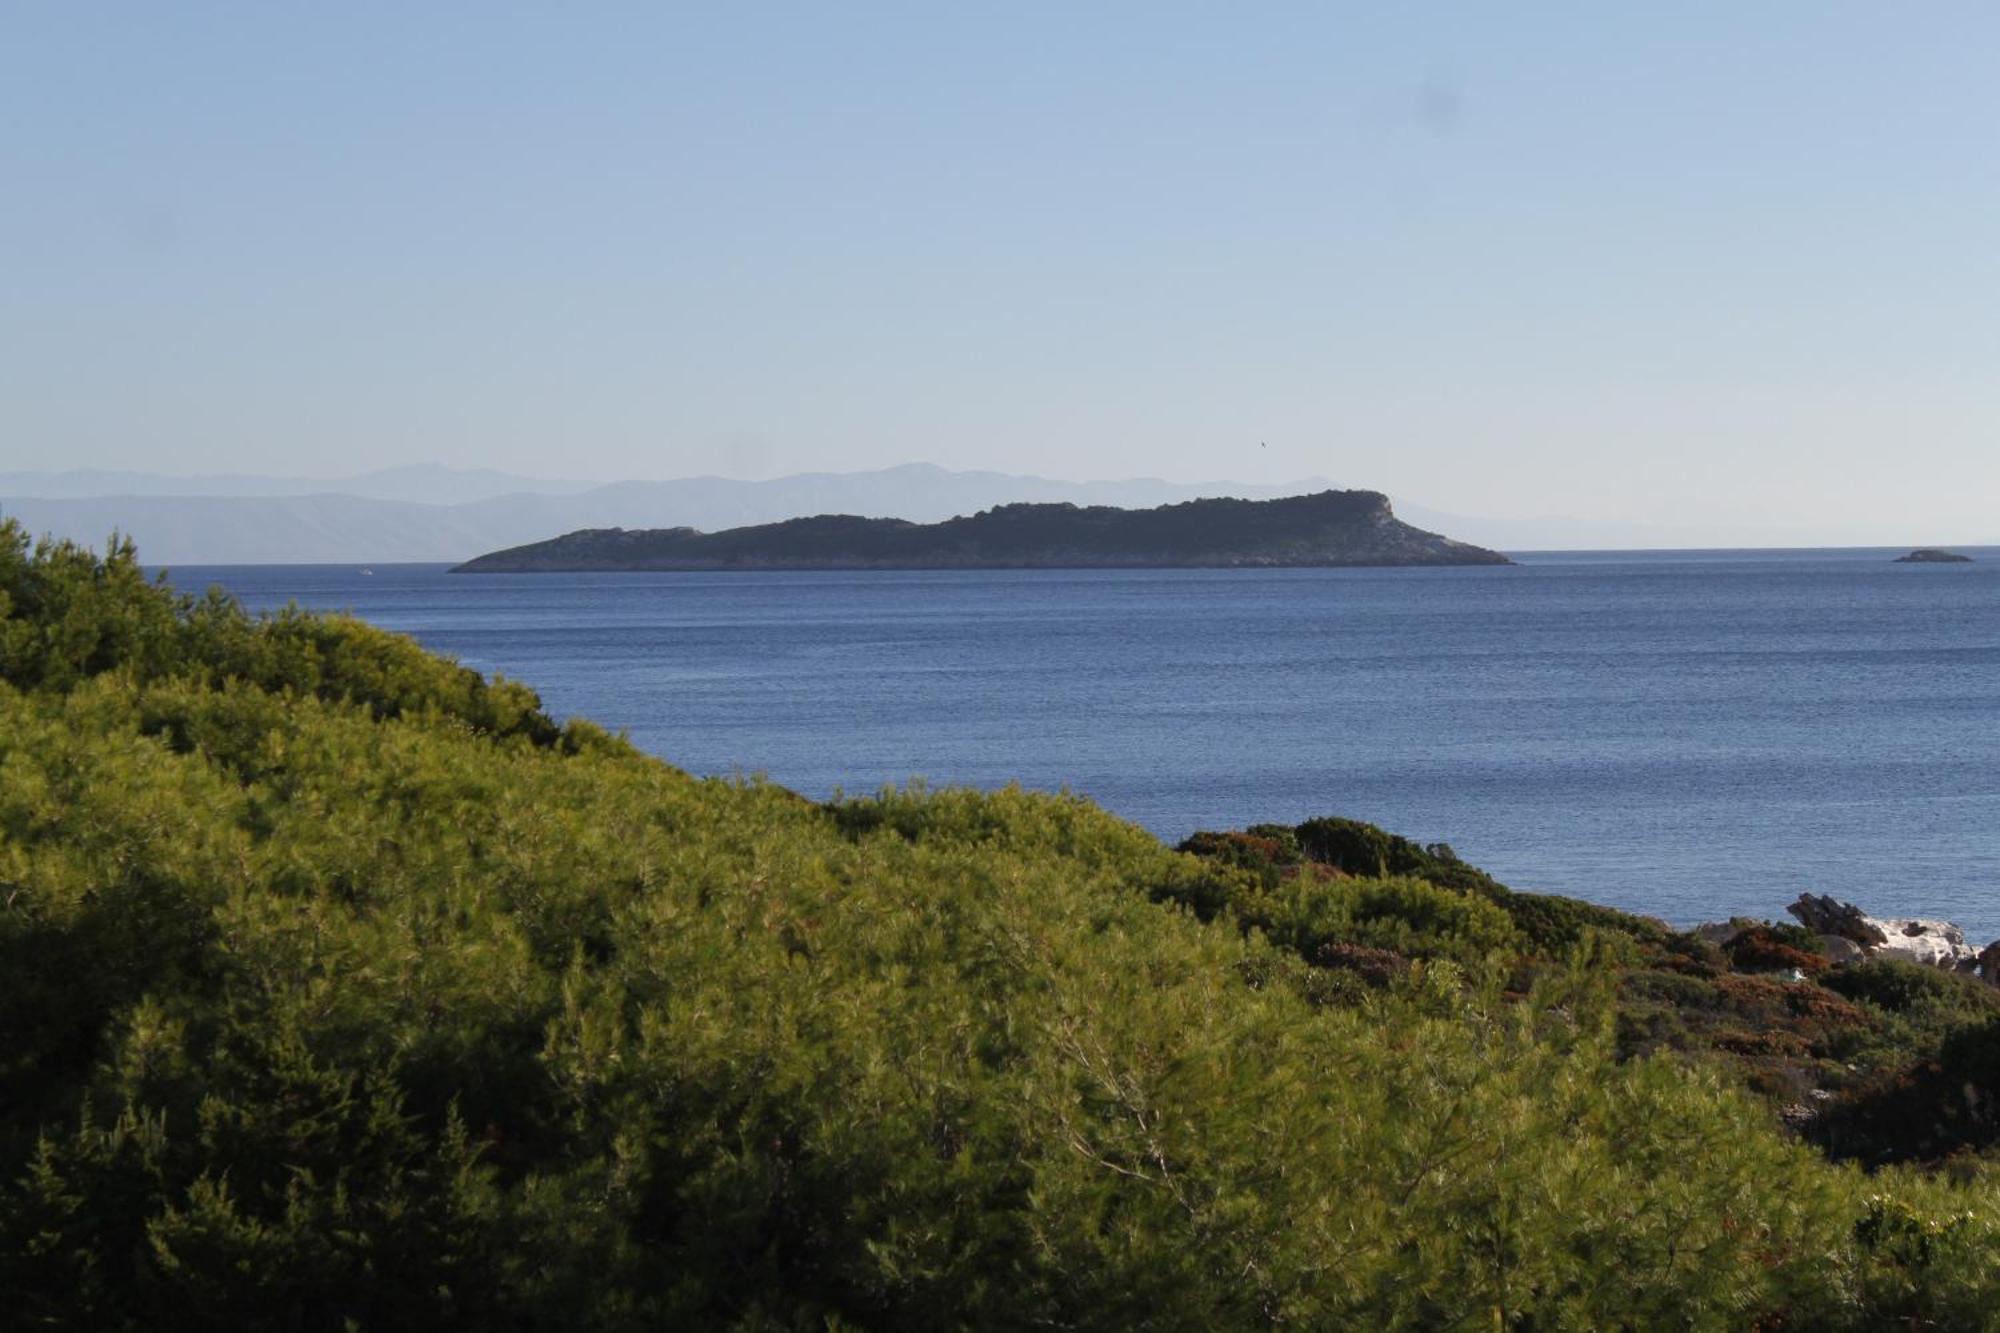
1903 987
1549 923
1937 1103
1249 851
342 990
1412 917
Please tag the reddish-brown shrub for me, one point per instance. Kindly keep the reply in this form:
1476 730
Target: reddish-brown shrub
1760 949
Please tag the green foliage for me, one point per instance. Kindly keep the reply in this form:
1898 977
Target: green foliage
1247 850
1789 934
67 616
1944 1102
342 990
1925 1080
1866 1037
1408 916
1309 899
1549 923
1910 988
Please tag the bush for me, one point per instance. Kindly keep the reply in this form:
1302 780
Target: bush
1550 923
343 992
1903 987
1763 949
1249 851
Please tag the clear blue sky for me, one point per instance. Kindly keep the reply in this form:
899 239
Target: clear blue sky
1676 261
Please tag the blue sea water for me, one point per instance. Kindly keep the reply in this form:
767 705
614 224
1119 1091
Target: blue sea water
1687 734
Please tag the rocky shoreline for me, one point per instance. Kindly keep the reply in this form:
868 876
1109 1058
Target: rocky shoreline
1874 1038
1847 934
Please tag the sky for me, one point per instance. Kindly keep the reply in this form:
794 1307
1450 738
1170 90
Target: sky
1673 263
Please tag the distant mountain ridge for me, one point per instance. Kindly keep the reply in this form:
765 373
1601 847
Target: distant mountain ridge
429 513
413 483
1327 528
311 524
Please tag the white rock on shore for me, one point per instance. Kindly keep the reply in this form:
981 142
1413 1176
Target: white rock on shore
1921 940
1847 934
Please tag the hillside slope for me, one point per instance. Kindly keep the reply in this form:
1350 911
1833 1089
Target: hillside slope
344 989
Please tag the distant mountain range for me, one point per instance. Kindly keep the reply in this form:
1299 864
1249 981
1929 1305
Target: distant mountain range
415 483
1325 528
437 514
425 512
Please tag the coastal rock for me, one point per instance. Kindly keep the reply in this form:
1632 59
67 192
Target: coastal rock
1930 942
1930 555
1989 964
1849 934
1825 915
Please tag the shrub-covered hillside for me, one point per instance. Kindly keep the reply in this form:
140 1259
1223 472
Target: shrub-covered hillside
1872 1058
343 989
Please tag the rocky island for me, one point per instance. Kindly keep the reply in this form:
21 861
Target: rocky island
1930 555
1328 528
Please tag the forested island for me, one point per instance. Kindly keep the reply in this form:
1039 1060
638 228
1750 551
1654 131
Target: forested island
1328 528
344 988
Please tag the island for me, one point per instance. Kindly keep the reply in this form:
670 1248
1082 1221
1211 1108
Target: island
1930 555
1323 529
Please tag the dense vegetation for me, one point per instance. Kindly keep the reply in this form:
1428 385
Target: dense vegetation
1330 528
344 989
1869 1060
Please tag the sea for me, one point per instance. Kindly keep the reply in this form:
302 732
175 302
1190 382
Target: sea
1690 735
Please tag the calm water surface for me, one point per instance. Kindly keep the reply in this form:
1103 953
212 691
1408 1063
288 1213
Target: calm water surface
1684 734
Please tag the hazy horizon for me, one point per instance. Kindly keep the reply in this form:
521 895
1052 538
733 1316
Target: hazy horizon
1708 269
427 512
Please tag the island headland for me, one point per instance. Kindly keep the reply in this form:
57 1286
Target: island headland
1325 529
1930 555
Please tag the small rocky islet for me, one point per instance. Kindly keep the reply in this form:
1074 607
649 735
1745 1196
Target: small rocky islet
1931 555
